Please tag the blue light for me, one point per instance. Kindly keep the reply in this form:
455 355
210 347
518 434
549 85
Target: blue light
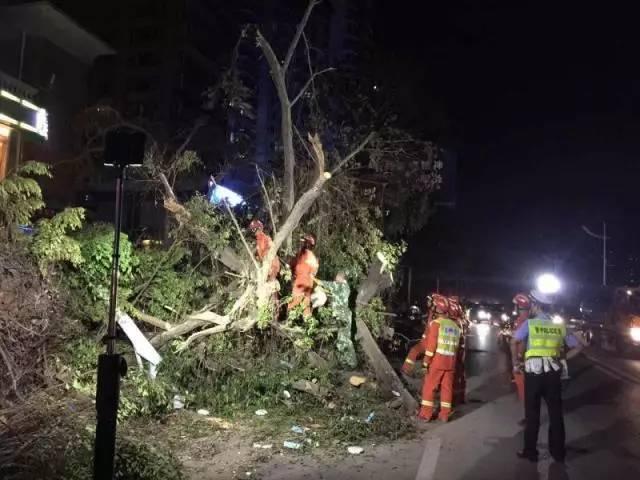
219 194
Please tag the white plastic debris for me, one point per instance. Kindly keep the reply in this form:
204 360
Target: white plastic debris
264 446
178 402
204 412
369 418
355 450
292 445
286 394
395 394
298 429
261 413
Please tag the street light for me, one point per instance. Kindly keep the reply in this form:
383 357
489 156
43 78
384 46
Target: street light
123 148
604 239
548 284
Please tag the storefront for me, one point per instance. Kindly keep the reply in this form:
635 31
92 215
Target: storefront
20 121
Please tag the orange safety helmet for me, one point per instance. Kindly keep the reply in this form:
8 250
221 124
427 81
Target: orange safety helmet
256 225
455 309
308 240
439 303
522 301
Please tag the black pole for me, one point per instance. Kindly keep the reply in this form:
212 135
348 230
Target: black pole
111 365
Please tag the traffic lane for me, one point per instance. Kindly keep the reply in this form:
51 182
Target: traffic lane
485 355
602 423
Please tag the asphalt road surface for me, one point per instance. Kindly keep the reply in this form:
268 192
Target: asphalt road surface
602 416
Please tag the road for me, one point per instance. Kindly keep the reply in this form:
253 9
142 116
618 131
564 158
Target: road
602 422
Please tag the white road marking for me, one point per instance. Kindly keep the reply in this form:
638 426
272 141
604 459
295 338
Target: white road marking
429 462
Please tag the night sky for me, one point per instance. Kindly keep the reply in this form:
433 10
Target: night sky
542 102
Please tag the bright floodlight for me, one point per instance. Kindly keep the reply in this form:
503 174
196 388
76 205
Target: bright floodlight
548 283
221 194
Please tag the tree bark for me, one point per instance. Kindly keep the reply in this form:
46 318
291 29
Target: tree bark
375 282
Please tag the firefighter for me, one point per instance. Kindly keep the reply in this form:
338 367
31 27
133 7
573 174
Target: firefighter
443 343
263 245
304 267
542 342
456 313
522 304
436 305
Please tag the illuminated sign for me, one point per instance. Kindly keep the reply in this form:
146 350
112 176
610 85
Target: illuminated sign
21 113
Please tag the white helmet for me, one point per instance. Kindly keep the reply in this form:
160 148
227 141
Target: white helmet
539 297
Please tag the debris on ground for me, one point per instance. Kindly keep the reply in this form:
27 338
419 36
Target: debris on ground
292 445
310 387
298 429
357 380
178 402
261 412
370 417
220 423
286 394
395 403
395 394
355 450
203 412
316 361
261 445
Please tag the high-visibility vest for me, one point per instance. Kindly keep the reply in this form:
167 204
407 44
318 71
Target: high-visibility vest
545 339
448 337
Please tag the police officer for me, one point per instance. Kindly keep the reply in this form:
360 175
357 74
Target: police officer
542 342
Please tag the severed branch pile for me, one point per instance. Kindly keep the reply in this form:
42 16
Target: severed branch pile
30 314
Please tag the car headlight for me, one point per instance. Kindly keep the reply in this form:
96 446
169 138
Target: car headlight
482 315
504 317
482 329
634 332
557 319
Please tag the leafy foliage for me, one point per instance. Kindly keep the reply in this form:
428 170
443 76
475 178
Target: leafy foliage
140 396
135 460
167 285
52 245
373 315
21 196
233 374
90 282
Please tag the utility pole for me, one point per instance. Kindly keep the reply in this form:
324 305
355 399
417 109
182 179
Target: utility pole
604 238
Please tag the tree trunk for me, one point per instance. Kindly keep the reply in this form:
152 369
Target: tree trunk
386 376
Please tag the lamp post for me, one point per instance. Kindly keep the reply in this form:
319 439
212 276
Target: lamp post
604 238
123 149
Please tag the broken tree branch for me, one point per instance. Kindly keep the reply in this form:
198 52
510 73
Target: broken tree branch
299 30
150 319
353 153
267 201
308 84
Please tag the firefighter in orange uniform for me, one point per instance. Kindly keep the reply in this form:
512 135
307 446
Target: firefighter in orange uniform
436 305
443 343
305 267
456 313
522 303
263 245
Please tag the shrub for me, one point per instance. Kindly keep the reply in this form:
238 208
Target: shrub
134 460
21 196
51 245
89 284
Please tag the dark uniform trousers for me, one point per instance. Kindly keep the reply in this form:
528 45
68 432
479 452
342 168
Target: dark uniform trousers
548 386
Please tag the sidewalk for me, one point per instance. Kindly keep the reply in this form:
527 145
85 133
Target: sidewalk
623 368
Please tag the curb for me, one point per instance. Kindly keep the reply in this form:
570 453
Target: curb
608 369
